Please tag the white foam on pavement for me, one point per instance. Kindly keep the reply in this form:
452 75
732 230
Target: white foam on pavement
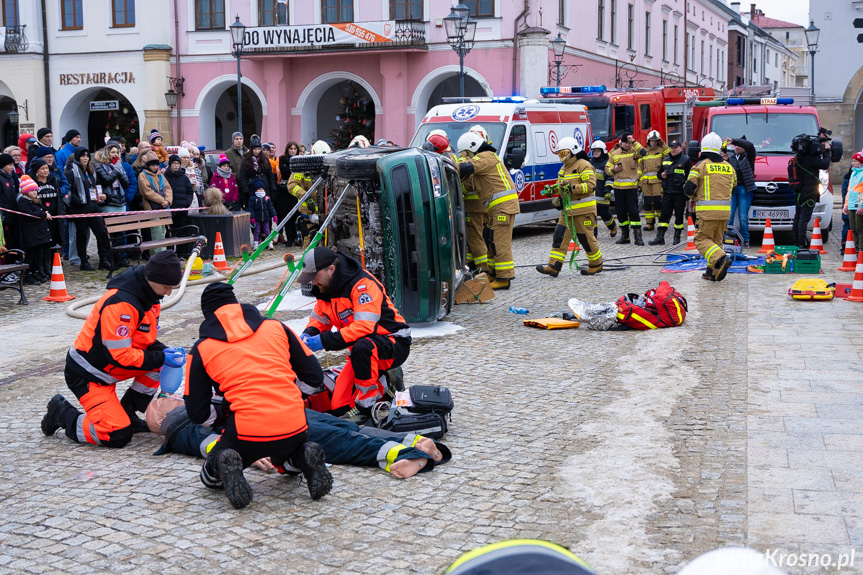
439 329
293 300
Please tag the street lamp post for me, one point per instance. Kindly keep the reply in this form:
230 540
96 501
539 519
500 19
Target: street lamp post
460 33
812 33
14 115
238 31
558 45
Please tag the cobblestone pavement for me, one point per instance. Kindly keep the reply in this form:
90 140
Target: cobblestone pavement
638 450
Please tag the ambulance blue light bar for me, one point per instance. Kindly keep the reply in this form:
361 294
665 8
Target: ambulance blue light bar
760 101
573 90
486 100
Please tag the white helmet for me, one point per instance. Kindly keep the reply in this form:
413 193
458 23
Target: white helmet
653 135
321 147
470 142
599 145
569 143
437 132
480 131
360 142
737 560
711 143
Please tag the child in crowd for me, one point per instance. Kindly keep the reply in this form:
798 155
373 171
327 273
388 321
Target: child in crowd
262 210
213 200
224 180
156 142
853 206
35 233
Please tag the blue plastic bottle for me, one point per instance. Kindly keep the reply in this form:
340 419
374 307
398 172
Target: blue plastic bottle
172 379
519 310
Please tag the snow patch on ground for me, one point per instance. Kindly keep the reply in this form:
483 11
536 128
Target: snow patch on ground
439 329
294 300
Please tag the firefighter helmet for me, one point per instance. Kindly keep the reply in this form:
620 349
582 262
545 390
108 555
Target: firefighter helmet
711 143
480 131
321 147
568 144
470 142
359 142
653 135
440 143
599 145
437 132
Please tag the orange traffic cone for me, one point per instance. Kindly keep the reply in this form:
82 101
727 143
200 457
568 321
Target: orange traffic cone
857 286
767 244
849 260
817 243
219 261
573 246
58 283
690 236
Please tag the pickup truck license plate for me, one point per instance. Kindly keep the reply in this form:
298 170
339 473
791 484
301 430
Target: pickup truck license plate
777 214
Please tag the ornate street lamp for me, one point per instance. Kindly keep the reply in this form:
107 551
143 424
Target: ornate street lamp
558 45
812 33
14 116
460 33
238 32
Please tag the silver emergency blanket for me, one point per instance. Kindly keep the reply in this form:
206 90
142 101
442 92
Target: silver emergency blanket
595 316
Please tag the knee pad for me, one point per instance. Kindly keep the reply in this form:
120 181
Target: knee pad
582 239
557 238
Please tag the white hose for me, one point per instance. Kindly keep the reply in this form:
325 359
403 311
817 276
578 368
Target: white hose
175 297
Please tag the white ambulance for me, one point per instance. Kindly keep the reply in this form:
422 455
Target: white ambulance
534 126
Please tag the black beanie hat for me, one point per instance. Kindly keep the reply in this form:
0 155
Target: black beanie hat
215 296
42 133
257 184
80 151
36 164
5 160
73 133
164 268
173 158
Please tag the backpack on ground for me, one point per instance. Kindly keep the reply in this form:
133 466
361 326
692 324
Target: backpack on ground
662 306
422 409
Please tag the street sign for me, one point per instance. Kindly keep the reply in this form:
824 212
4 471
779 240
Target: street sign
103 105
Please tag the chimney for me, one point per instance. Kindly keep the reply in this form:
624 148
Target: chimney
736 7
752 10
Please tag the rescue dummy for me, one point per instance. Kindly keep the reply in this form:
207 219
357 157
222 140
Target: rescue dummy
367 323
710 183
576 182
252 363
497 192
118 342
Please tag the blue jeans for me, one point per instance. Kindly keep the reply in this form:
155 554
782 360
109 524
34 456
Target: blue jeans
741 201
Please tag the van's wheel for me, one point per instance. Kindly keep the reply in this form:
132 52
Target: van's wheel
359 167
307 164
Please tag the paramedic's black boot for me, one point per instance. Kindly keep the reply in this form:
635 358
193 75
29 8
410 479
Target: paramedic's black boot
53 419
639 241
133 402
550 269
722 267
677 234
237 489
310 459
708 274
624 237
659 240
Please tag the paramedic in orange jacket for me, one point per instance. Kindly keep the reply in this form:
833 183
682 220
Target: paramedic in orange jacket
253 363
118 342
356 304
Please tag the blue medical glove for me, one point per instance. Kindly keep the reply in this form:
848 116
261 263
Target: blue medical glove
175 356
313 342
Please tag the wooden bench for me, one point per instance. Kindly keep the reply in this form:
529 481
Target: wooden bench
11 262
131 224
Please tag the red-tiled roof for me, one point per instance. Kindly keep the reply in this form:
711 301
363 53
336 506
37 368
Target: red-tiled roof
763 21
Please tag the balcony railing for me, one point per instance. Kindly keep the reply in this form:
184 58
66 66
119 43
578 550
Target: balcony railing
14 39
400 34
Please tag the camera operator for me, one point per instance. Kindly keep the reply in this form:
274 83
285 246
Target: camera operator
811 154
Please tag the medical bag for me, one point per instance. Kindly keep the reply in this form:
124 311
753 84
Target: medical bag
422 409
662 306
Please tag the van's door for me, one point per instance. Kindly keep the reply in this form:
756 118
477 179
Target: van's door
523 175
545 159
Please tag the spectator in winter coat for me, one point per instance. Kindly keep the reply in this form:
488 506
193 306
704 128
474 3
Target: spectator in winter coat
192 171
49 155
283 199
73 140
846 180
156 142
255 166
155 192
85 199
262 212
224 180
15 152
9 200
852 206
50 196
183 193
235 152
26 142
111 175
34 232
741 156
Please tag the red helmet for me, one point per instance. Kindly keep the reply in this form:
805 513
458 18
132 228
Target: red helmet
440 143
858 156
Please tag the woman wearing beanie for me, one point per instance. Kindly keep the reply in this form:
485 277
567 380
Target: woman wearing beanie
224 180
84 198
9 200
112 176
184 194
283 199
36 236
50 196
254 165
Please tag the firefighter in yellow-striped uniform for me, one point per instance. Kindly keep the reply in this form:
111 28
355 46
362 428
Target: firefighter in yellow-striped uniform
651 186
624 167
576 183
498 195
474 211
298 185
710 183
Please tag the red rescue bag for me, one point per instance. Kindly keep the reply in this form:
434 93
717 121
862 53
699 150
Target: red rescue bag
635 316
669 304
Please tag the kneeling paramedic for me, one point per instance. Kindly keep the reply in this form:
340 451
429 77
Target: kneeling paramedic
118 342
710 183
576 182
253 364
498 194
356 304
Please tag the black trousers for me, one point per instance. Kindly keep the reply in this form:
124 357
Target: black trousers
284 203
676 204
626 206
37 257
97 226
604 212
278 451
181 219
801 221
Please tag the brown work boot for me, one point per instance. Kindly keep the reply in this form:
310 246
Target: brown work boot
722 267
708 274
500 284
612 228
591 270
552 268
649 224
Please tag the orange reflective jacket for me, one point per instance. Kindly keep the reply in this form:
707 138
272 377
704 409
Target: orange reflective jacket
254 363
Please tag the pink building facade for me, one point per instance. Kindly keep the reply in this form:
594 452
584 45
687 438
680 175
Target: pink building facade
299 67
